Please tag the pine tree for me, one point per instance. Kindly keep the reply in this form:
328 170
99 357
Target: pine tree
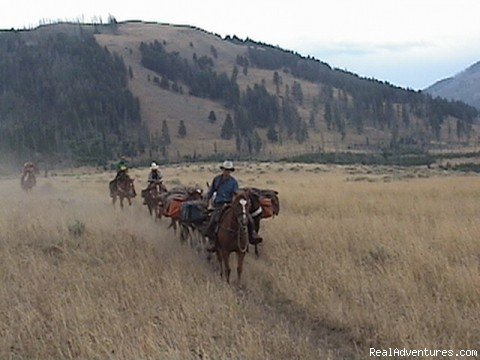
277 80
182 129
311 121
164 83
227 128
165 133
297 92
272 134
328 116
257 142
212 117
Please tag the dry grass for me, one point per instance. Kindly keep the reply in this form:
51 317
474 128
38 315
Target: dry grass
346 265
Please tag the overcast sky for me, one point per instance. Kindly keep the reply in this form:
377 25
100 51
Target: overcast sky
409 43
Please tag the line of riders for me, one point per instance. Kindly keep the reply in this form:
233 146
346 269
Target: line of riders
215 203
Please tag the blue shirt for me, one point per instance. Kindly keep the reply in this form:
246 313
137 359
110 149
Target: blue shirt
225 188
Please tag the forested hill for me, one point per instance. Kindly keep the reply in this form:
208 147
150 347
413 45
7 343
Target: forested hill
93 92
63 96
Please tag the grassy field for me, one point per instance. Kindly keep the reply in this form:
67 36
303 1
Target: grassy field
359 257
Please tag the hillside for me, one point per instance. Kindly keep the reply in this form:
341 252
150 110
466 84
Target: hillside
465 86
277 102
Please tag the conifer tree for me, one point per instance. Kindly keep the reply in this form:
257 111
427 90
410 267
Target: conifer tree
182 129
212 117
227 128
165 133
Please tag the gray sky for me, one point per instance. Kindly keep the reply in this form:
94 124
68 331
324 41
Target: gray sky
409 43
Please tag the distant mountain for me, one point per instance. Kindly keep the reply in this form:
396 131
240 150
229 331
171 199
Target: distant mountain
92 92
464 86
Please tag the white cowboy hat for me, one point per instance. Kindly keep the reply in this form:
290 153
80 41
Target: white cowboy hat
154 166
227 165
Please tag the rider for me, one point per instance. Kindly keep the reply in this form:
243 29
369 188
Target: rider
28 168
122 168
154 178
220 194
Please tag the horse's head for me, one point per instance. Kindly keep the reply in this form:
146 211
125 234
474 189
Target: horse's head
241 207
273 195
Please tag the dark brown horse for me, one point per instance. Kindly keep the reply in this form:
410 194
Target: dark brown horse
123 188
232 234
152 195
257 207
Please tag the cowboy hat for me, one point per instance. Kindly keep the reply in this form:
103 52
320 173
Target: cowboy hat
154 166
227 165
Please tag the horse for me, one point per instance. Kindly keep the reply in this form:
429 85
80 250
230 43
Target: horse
170 203
152 196
194 218
258 208
232 235
28 181
123 188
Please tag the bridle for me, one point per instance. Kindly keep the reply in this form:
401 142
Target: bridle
242 222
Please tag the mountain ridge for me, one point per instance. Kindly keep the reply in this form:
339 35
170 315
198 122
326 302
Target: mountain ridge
464 86
281 103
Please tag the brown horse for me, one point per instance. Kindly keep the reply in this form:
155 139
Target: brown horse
28 181
123 188
232 234
257 212
152 195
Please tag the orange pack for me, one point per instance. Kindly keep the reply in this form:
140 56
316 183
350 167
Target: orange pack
174 209
267 208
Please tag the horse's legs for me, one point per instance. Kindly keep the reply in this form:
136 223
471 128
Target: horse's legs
121 201
226 257
173 224
114 200
129 201
256 251
220 262
184 233
240 257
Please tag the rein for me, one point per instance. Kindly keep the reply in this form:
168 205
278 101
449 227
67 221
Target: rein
243 202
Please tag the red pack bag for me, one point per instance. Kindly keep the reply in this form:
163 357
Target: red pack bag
174 209
267 208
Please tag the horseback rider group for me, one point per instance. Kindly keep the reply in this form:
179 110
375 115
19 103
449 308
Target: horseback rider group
223 189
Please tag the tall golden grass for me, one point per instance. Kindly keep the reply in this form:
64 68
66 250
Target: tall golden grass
346 266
